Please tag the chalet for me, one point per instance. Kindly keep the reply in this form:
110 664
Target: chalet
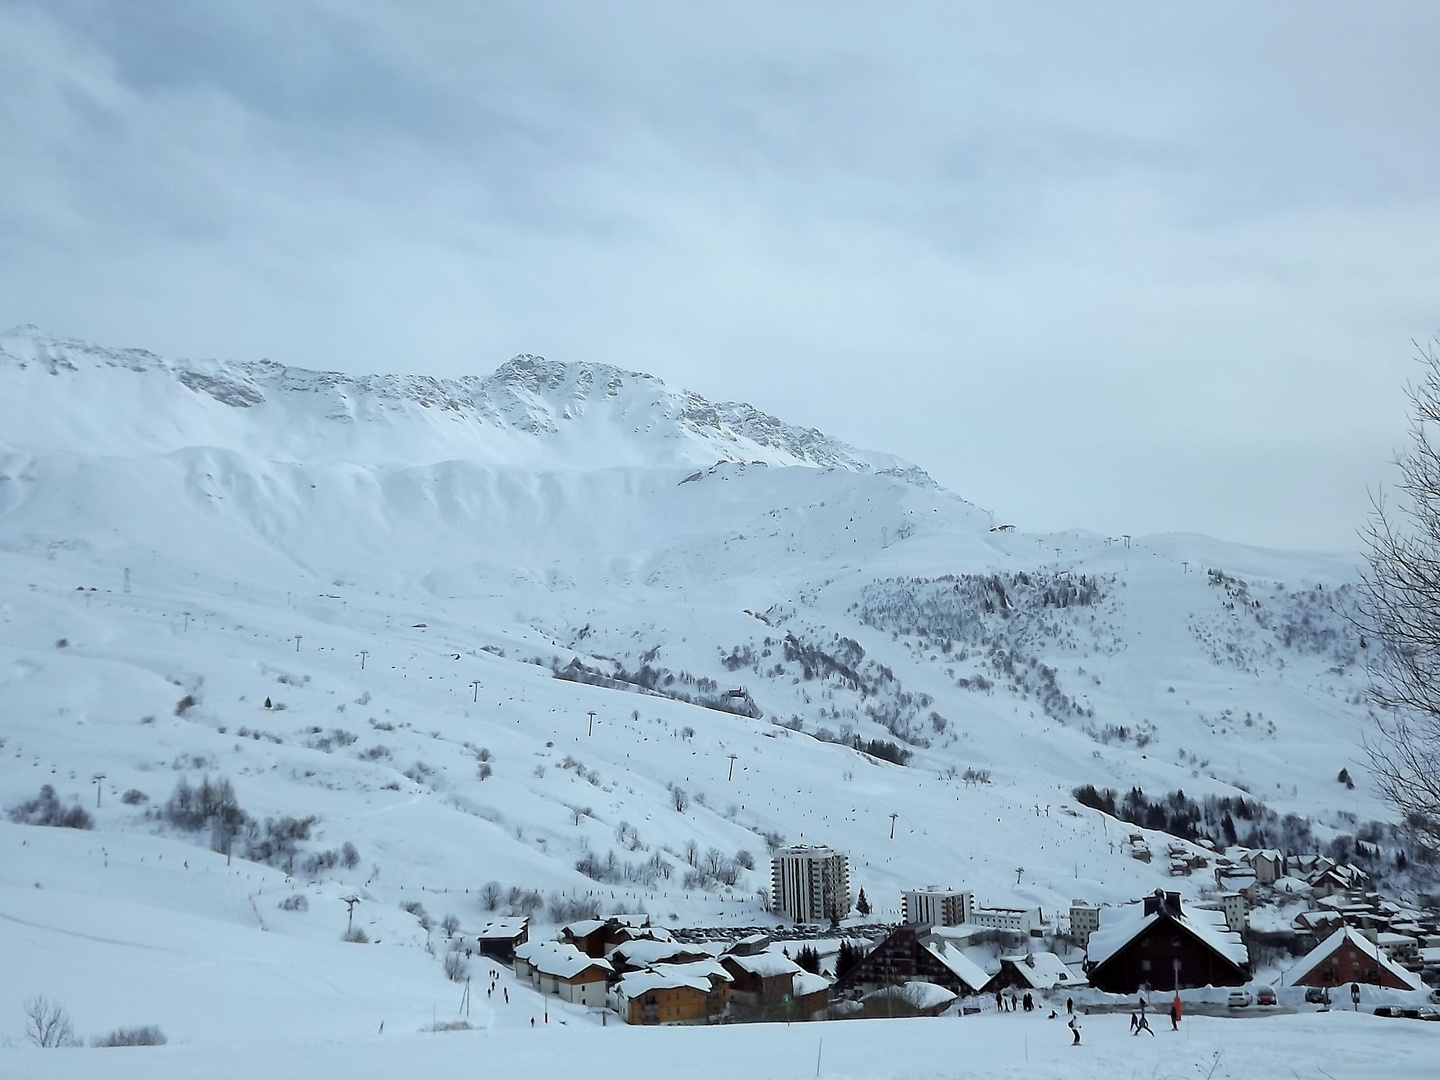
643 953
559 968
1238 879
810 996
1156 943
1339 880
1268 865
1034 971
651 997
1348 956
908 999
762 980
499 938
1308 866
596 937
911 954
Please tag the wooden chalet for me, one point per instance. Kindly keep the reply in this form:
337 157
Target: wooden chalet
1348 956
913 954
499 938
1157 944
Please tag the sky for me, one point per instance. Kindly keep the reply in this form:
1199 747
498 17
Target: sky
1132 268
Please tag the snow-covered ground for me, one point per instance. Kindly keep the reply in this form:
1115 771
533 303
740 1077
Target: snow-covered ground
397 566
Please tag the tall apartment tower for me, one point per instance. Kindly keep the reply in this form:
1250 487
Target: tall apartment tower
810 883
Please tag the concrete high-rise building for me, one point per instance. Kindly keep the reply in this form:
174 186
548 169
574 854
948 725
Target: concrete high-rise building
934 906
810 883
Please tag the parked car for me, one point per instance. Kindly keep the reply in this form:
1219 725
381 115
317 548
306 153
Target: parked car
1240 999
1265 995
1389 1010
1317 995
1429 1012
1435 995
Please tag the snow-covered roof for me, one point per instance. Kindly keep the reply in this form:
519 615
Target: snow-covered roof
765 965
808 983
1044 970
1121 926
639 983
1293 885
1316 956
643 952
558 958
583 928
709 969
922 995
503 928
966 970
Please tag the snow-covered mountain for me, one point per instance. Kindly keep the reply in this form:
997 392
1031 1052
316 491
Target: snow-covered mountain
392 603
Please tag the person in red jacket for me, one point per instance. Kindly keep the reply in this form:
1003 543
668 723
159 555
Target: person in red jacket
1175 1010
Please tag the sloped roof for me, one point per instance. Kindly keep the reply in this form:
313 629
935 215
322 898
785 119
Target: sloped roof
966 970
704 968
638 983
558 958
1318 955
583 928
1044 970
765 965
807 983
922 995
643 952
1120 926
503 928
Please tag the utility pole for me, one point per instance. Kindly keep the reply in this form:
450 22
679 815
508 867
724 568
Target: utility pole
892 825
96 781
591 714
475 685
350 902
363 653
127 579
732 767
297 642
187 621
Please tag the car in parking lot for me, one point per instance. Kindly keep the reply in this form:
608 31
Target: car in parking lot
1317 995
1240 999
1265 995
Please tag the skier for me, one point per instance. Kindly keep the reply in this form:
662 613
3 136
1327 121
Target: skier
1134 1022
1145 1026
1070 1005
1075 1029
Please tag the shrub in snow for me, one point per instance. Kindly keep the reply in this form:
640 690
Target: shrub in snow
295 903
46 809
456 969
349 856
356 935
48 1024
149 1035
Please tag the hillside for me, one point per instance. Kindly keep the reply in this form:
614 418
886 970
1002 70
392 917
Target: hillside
392 602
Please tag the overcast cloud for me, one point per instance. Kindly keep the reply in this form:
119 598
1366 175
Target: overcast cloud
1133 267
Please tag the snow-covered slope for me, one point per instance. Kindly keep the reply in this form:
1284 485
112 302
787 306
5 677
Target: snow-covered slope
393 602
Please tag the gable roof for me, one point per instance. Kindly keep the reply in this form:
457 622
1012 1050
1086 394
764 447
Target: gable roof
764 965
1123 925
1318 955
644 951
583 928
922 995
961 966
1044 970
559 959
638 983
807 983
503 928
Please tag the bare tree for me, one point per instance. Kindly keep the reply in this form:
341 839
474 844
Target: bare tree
48 1023
681 798
450 924
491 894
1399 619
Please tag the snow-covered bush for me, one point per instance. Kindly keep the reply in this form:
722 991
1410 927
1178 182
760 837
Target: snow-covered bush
46 809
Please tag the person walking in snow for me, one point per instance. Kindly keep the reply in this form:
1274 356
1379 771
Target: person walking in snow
1175 1014
1075 1029
1134 1022
1070 1005
999 1001
1145 1026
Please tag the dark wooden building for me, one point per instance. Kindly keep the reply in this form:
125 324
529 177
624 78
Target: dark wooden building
1158 945
912 954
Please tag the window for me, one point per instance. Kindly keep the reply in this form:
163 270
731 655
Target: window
1144 965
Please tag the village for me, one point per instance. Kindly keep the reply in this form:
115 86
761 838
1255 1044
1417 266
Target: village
1274 931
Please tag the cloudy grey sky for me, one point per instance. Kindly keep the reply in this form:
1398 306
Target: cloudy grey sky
1127 266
